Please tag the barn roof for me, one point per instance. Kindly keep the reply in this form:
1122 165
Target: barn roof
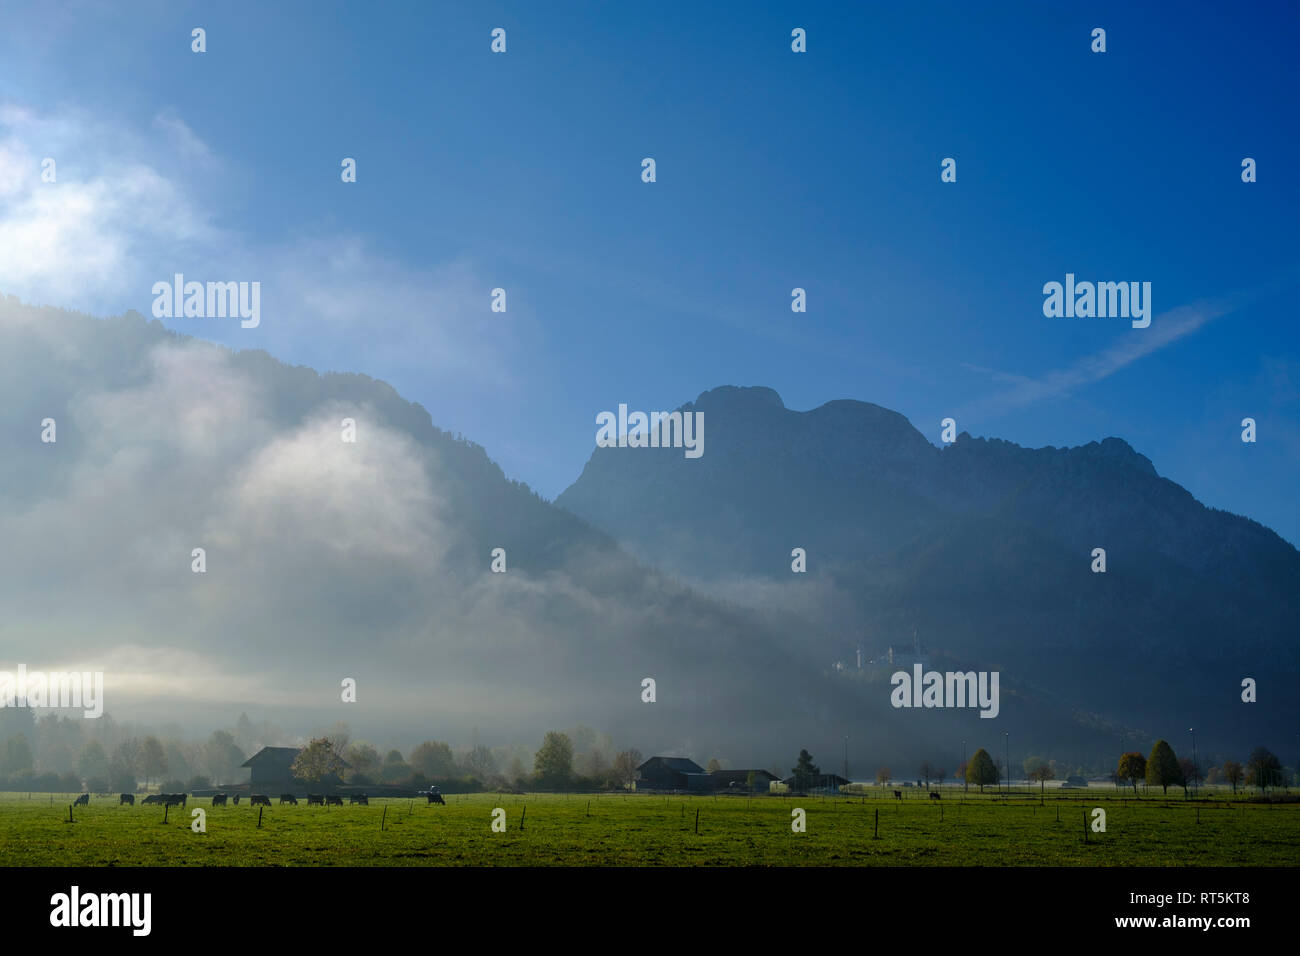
277 754
679 764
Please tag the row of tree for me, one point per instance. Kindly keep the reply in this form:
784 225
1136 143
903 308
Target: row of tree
554 766
1163 769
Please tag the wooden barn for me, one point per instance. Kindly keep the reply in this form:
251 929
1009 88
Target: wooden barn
269 770
820 781
671 773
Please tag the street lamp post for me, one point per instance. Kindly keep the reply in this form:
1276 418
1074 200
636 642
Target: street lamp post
964 786
1195 769
1007 735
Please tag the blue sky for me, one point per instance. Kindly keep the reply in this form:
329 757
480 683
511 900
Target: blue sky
775 170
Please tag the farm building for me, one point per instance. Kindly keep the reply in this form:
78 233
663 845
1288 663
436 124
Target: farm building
671 773
270 772
682 773
822 781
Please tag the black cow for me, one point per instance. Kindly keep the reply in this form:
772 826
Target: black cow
259 800
172 799
127 798
333 800
219 799
360 798
898 794
437 798
288 798
933 795
152 798
315 798
235 799
82 801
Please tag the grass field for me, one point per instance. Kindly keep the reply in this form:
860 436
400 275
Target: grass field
642 829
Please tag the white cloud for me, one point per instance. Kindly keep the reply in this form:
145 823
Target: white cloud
178 133
130 209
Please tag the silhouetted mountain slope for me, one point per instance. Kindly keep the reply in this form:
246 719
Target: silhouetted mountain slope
982 545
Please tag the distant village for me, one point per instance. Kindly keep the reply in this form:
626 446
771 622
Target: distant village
271 771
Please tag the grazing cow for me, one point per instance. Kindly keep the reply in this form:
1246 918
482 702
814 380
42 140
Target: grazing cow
437 798
934 795
127 798
898 794
259 800
152 798
235 800
219 799
332 800
288 798
360 798
172 799
82 801
315 798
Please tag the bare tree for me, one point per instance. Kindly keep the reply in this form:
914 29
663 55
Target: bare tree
625 765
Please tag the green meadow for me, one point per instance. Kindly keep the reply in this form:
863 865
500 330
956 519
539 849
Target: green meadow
649 830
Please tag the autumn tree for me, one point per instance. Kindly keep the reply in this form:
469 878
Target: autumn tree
1162 767
317 761
434 759
1263 769
713 765
882 776
1132 767
981 770
1036 768
553 763
363 759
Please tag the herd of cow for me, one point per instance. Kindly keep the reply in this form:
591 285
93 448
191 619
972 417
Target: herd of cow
255 800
